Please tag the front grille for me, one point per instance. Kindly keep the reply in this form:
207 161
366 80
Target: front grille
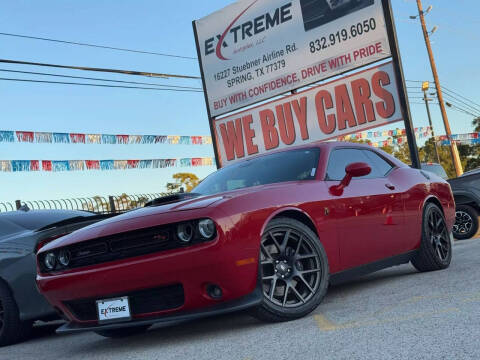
141 302
121 246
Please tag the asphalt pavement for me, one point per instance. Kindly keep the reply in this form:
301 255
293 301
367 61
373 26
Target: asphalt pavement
396 313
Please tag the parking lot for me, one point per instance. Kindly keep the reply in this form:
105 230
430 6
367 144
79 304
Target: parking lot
397 313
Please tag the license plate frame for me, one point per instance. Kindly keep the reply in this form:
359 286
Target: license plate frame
122 301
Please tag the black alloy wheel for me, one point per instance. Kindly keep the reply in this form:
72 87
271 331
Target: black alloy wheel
466 222
435 251
294 270
12 329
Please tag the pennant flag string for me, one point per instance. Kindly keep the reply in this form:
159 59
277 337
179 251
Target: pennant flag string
102 165
75 138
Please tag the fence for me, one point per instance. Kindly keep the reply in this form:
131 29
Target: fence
98 204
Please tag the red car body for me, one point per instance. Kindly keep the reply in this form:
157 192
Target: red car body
372 224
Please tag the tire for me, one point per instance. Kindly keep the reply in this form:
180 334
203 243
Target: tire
302 260
466 222
12 329
435 251
124 332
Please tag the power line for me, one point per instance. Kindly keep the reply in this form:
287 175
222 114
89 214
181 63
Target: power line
460 109
461 103
460 96
100 79
476 113
421 103
98 85
117 71
98 46
449 93
453 102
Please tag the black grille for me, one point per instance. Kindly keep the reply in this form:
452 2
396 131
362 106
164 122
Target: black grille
123 245
141 302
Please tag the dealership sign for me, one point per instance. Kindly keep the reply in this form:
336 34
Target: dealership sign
253 50
355 103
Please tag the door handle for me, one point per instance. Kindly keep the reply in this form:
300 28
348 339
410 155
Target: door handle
390 186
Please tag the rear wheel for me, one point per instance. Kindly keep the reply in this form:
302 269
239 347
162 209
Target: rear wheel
435 251
124 332
12 329
466 222
294 270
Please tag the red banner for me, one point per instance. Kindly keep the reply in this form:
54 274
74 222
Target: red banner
349 105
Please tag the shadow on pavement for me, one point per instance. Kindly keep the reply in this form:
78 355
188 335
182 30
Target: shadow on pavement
376 279
41 330
178 335
226 325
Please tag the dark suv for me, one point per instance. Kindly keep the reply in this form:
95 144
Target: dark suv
466 191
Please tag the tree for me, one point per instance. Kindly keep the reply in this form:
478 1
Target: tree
476 124
188 180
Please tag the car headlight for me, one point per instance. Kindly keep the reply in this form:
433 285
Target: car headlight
64 257
50 261
206 227
185 232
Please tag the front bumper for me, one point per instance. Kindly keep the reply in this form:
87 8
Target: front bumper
228 264
246 302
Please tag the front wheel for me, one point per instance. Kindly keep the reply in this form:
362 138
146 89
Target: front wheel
435 251
294 270
466 222
12 329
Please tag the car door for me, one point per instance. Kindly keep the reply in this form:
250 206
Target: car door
369 212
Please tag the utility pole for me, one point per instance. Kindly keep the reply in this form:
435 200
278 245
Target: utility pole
425 87
453 146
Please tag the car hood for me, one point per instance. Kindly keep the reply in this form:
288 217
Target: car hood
134 219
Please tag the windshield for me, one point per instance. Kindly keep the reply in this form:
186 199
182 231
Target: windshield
279 167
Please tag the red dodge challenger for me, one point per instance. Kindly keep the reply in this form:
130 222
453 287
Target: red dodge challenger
269 233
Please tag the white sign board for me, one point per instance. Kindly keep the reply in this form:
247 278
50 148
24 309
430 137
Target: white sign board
253 50
355 103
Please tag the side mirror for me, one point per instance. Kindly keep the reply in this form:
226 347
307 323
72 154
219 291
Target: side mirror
357 169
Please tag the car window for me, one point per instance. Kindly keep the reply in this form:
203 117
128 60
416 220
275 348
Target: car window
379 165
437 169
293 165
341 158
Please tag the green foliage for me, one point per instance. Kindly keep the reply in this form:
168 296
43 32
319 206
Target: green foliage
476 124
469 155
187 180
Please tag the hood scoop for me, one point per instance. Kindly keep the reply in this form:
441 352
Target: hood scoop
169 199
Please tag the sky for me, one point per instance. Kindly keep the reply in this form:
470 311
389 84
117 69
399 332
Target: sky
165 26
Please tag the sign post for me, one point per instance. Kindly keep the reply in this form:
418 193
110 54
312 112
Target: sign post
205 93
397 61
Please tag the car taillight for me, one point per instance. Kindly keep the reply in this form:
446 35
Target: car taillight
44 242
